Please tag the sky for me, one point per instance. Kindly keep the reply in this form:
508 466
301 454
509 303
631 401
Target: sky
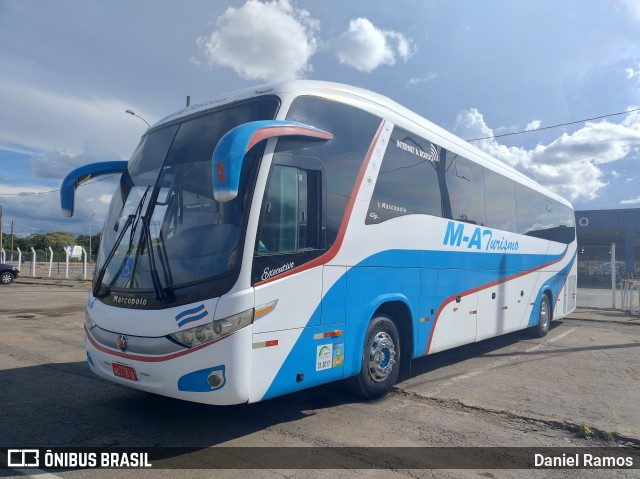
69 69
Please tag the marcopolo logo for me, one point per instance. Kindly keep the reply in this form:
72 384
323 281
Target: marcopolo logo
124 301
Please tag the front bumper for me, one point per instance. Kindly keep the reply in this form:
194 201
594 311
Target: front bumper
186 374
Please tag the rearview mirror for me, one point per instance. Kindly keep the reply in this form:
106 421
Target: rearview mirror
82 175
229 153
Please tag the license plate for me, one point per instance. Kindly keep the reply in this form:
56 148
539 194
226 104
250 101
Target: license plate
123 371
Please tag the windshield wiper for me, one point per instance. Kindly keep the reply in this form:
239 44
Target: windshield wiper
98 284
132 220
155 279
146 241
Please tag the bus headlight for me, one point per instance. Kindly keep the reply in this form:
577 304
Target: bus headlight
211 331
88 322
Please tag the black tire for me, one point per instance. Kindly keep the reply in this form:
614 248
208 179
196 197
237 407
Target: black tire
6 277
544 317
380 360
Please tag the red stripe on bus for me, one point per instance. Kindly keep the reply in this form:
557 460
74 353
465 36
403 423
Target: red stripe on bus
271 131
485 286
148 359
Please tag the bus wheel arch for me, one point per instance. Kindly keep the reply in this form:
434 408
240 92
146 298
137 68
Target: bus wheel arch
400 314
545 314
386 347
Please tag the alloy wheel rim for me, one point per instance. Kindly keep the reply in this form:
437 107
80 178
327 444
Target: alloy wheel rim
544 314
382 357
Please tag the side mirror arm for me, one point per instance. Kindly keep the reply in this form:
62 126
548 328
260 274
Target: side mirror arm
82 175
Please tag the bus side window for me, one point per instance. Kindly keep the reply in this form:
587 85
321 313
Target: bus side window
290 220
463 190
500 198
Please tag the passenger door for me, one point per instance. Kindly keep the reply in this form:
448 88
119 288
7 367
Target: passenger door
290 236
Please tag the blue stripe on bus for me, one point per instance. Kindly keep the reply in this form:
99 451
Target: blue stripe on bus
403 269
189 311
555 284
192 318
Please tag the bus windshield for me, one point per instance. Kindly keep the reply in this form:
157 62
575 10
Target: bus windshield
165 234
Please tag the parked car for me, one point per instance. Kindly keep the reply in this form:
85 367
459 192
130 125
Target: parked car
8 273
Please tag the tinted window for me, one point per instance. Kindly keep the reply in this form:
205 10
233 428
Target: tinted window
408 179
279 225
549 217
291 220
567 216
353 131
557 222
462 190
291 227
528 205
567 224
500 197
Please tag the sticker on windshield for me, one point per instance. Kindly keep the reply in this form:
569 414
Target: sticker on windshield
128 267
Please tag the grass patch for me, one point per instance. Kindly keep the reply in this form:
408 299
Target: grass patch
585 430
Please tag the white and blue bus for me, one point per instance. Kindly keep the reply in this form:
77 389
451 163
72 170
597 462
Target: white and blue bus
279 238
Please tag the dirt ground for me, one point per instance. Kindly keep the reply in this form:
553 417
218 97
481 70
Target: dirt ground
511 391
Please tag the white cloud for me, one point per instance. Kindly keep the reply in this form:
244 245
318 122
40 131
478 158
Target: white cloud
602 142
633 7
567 165
56 164
365 47
23 190
263 41
534 125
46 119
424 79
631 73
615 174
37 208
634 201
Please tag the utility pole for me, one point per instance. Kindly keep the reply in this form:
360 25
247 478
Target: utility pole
13 224
90 220
0 227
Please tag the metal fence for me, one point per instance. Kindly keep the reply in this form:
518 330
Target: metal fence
49 264
609 284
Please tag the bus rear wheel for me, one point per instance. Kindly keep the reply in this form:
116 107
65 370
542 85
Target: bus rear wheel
544 317
380 360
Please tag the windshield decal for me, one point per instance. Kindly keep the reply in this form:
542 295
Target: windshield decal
190 315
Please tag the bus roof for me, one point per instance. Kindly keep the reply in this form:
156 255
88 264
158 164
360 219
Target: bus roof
383 105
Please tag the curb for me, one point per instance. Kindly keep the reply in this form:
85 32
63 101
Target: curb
70 283
633 321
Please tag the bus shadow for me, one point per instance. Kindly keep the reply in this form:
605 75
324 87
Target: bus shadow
469 351
65 405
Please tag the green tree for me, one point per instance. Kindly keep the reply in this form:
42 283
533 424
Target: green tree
83 240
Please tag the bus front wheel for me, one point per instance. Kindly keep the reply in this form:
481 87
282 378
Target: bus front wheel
544 317
380 360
